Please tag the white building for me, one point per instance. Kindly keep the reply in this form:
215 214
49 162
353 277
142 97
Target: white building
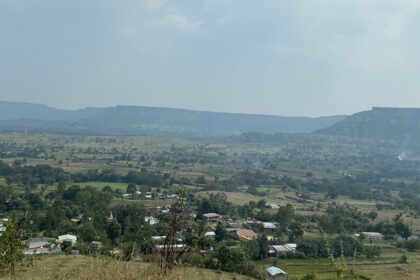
151 220
277 250
372 235
269 226
68 237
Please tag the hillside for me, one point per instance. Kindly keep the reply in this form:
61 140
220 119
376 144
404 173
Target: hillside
136 120
398 125
83 267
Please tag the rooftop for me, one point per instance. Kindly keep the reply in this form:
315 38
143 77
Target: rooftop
273 271
211 215
247 232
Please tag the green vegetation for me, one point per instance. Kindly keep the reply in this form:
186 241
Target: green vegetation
317 190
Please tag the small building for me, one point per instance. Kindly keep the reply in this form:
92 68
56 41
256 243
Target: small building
159 238
269 226
210 234
246 234
77 219
278 250
276 273
413 237
68 238
110 217
372 235
151 220
95 247
252 222
40 242
212 217
42 245
233 230
232 224
271 206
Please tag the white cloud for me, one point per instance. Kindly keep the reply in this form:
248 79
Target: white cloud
178 22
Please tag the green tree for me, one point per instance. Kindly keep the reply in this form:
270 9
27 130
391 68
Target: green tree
372 251
113 230
11 245
263 246
131 188
309 276
284 216
201 180
252 249
372 215
220 232
295 232
402 229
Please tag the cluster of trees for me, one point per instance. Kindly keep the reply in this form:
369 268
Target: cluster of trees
342 219
410 245
31 176
343 245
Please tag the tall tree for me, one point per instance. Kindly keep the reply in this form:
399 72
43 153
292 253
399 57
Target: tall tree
11 245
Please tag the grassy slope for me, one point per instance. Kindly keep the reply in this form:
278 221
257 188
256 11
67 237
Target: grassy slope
84 268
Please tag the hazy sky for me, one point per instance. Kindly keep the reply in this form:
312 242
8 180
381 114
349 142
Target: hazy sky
297 57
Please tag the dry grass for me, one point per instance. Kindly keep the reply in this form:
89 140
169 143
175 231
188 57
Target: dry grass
89 268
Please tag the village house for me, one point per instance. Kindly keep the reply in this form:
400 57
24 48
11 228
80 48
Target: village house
110 217
151 220
159 238
271 206
372 235
210 234
2 229
77 219
246 234
68 238
212 217
269 226
275 273
127 195
42 245
251 222
278 250
232 224
413 237
166 209
233 230
95 247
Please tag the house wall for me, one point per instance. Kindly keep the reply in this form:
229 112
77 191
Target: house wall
280 277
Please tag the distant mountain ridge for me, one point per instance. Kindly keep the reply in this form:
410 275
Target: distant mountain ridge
138 120
401 125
